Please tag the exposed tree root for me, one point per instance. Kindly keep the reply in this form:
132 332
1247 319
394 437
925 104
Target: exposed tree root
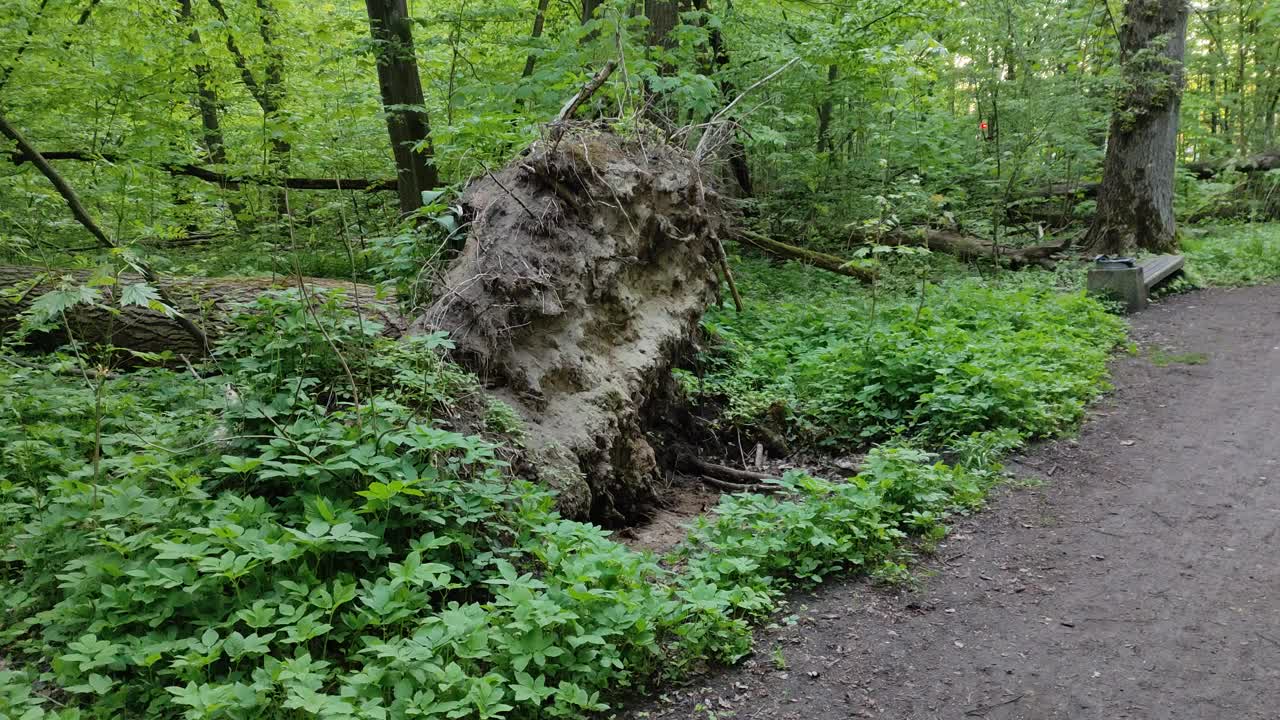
739 488
589 263
723 471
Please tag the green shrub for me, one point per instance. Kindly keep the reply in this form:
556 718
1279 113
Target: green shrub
968 356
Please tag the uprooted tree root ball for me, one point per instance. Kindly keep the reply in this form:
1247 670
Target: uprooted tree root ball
589 262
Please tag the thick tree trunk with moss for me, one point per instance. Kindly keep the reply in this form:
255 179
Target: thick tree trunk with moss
1135 204
210 302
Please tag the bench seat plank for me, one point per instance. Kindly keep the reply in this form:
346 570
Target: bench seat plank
1157 269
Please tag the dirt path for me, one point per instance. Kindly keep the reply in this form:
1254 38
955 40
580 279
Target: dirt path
1141 579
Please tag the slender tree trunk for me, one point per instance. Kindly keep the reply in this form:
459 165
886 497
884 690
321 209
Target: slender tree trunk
269 93
539 22
401 88
1135 205
589 8
206 98
273 83
207 103
826 108
718 67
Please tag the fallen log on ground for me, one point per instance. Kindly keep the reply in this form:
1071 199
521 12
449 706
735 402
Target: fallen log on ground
1262 162
739 487
968 247
822 260
209 302
1052 205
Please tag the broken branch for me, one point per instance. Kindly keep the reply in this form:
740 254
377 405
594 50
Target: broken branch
822 260
223 179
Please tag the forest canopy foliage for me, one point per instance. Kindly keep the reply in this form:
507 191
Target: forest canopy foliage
931 111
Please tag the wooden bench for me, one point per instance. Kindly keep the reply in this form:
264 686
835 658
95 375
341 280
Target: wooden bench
1131 282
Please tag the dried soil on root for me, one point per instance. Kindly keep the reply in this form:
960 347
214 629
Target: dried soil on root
588 267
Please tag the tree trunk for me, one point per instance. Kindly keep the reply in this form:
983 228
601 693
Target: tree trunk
206 99
826 108
1135 205
716 67
589 8
402 101
663 17
273 82
539 22
269 93
213 300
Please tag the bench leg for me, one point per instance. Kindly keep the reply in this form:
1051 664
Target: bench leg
1124 284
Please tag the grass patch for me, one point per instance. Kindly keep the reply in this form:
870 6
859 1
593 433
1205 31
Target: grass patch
1234 255
1163 358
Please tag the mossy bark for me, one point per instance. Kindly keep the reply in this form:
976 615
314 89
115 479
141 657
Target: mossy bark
1135 204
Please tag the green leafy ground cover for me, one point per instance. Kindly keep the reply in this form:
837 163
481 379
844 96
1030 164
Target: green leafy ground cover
1234 255
255 544
969 355
261 543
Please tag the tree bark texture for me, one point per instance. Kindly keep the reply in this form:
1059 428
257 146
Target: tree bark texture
211 301
206 99
401 88
539 22
1135 204
826 108
663 17
269 92
717 67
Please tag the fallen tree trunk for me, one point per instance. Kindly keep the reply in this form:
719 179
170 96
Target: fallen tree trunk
1052 205
967 247
222 179
209 301
1262 162
822 260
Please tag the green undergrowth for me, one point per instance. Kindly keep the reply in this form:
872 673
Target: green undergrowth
1234 255
848 366
262 541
